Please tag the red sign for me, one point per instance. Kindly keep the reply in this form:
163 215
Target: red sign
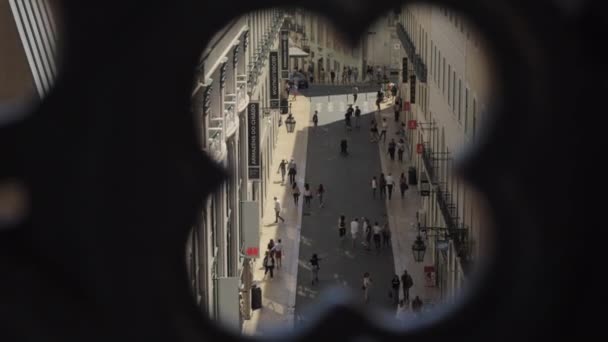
419 148
253 252
406 106
412 124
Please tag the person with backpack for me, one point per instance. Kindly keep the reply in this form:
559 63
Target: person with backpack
407 282
315 118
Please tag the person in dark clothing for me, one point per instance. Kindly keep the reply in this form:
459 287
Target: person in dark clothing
333 76
343 147
382 186
282 169
268 265
400 149
403 185
392 147
357 117
394 91
406 281
315 118
417 305
314 263
347 117
379 97
395 289
270 246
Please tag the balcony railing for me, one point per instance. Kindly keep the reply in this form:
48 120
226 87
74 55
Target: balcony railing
230 116
215 145
420 68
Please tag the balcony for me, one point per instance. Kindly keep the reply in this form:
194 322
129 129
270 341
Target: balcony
242 98
216 146
420 68
231 121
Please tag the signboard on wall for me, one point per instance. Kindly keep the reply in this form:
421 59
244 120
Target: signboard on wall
250 221
413 89
274 79
253 140
284 46
412 124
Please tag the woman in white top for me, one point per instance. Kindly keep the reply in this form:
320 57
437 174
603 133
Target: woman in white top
307 195
367 283
374 186
278 252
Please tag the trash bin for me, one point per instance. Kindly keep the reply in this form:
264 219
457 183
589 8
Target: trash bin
256 298
411 176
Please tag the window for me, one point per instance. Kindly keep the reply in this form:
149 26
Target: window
466 109
459 98
474 115
454 90
443 77
449 85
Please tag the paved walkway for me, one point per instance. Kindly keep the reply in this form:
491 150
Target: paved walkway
402 214
347 192
350 195
278 294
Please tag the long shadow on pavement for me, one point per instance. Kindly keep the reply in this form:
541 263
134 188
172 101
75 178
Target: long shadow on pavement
348 191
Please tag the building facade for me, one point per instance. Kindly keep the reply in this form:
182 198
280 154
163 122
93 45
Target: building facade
233 72
447 89
326 50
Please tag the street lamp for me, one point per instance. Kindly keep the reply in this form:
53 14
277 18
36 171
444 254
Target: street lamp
290 123
418 248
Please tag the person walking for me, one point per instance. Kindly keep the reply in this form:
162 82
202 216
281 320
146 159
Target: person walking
354 230
392 147
417 305
347 116
270 246
386 235
295 191
389 184
397 110
377 231
355 93
394 90
278 252
277 211
333 76
368 235
321 193
374 187
373 131
341 228
367 284
287 88
382 186
268 263
383 132
315 118
314 267
403 184
307 195
407 283
343 147
357 116
282 169
400 149
379 97
292 172
395 289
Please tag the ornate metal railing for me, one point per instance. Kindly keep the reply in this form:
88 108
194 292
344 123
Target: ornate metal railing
420 68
